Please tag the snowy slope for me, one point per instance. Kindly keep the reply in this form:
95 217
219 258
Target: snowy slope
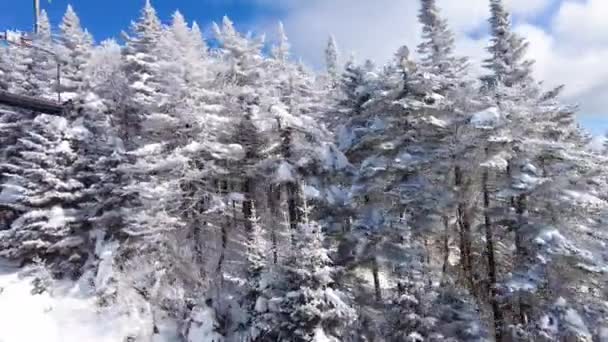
68 314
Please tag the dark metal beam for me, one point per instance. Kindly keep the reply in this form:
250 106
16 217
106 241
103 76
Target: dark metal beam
30 103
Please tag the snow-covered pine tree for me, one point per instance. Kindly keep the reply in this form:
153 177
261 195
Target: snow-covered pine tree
437 49
20 75
281 50
450 99
332 62
527 130
44 63
308 307
75 45
184 86
507 50
422 308
256 298
47 197
4 68
241 79
141 57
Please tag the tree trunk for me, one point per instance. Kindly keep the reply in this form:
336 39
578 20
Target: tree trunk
274 202
292 205
446 244
521 255
464 221
220 262
376 275
247 204
498 317
198 247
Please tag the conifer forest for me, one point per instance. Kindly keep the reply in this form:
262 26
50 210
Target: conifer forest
218 189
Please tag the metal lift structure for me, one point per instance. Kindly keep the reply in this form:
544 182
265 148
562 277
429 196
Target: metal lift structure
28 102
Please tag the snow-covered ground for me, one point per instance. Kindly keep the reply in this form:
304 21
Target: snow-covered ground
66 313
69 312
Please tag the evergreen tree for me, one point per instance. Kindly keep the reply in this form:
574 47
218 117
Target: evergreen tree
257 268
281 50
437 48
507 60
75 50
309 306
331 61
48 196
20 76
140 54
43 69
4 69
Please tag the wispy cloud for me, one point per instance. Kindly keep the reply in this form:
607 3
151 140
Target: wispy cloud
567 37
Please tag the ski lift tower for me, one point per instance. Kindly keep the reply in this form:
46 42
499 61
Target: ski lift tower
36 16
25 40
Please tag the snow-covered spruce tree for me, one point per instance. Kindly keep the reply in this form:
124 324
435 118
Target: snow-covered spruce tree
4 68
30 70
302 148
241 81
185 83
20 75
533 153
105 90
75 45
357 84
422 309
140 54
47 197
257 269
13 126
437 49
44 64
547 175
332 62
463 155
507 50
307 305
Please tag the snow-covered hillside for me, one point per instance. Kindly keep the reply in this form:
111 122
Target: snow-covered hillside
211 191
66 312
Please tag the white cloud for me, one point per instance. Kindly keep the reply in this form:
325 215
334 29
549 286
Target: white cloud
582 23
570 50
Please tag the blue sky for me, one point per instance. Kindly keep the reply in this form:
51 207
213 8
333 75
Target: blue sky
106 18
567 40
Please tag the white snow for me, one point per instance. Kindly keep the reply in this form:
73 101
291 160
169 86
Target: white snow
321 336
284 173
597 144
497 162
486 119
377 124
148 149
603 334
105 252
310 191
575 322
56 218
67 243
261 305
79 130
10 193
584 198
203 327
527 182
64 315
436 122
346 138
